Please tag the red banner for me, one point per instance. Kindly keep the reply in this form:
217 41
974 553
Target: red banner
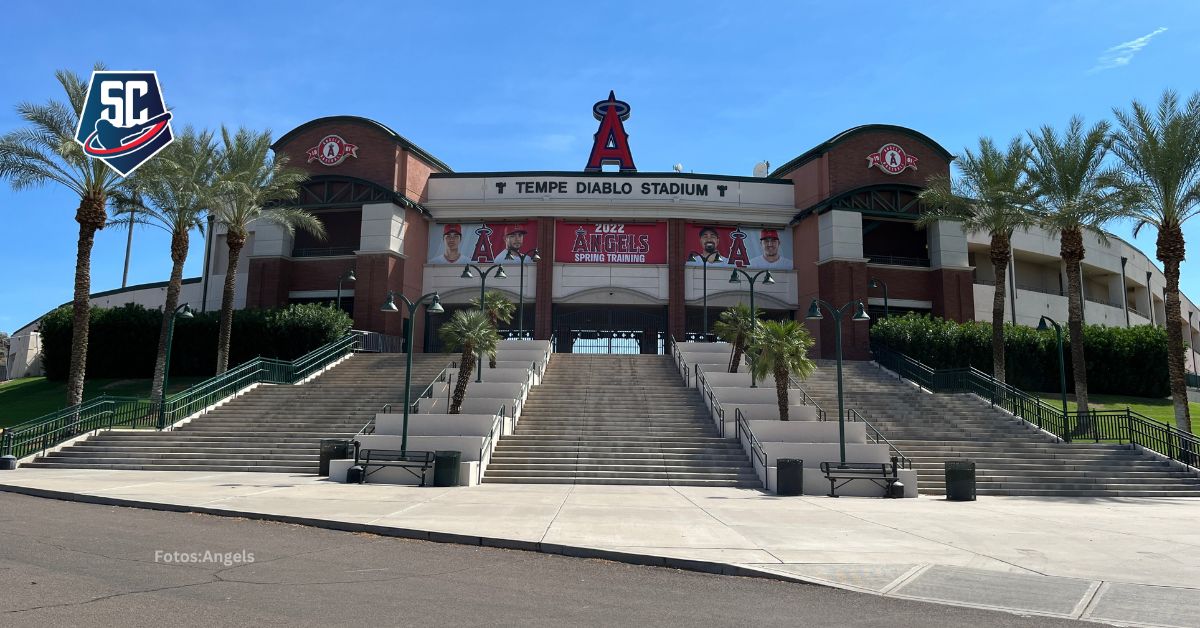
610 243
480 243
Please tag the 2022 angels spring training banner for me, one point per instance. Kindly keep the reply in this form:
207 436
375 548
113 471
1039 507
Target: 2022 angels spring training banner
480 243
743 247
610 242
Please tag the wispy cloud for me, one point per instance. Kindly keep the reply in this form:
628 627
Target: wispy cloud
1121 54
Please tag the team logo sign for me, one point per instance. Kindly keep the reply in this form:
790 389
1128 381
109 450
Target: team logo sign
124 121
612 142
892 159
332 150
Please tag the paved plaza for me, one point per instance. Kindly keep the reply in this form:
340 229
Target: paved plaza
1124 560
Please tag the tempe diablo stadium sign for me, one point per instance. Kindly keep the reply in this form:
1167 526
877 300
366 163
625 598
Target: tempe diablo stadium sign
610 243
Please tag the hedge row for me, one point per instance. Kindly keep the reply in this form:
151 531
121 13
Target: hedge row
123 341
1120 361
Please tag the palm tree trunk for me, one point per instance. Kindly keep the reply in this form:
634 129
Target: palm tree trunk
91 217
1000 254
235 242
736 357
179 250
495 326
1171 254
1071 251
465 370
781 391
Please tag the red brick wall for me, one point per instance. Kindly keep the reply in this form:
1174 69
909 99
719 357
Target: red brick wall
376 159
676 258
848 161
842 282
377 273
543 304
805 252
268 281
953 294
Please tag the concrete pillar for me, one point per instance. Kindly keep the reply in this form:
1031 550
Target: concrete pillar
544 297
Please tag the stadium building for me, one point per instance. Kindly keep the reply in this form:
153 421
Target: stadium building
621 252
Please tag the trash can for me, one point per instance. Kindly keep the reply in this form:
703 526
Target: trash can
789 476
334 449
445 467
960 480
8 463
356 475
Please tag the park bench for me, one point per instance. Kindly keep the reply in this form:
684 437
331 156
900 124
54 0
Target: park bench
418 463
881 473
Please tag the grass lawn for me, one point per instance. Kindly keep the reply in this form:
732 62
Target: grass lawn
31 397
1161 410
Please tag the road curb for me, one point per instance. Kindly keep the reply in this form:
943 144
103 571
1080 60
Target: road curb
573 551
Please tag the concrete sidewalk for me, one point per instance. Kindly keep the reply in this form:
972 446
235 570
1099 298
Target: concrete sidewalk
1133 561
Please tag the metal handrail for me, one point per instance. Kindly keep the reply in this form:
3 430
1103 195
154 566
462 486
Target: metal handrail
713 403
756 448
428 392
62 425
1119 426
679 363
878 438
369 428
485 446
807 399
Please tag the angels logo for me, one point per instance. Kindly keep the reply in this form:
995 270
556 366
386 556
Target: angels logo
892 159
332 150
738 256
483 246
124 121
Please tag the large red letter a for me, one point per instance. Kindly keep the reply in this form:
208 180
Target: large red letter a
612 142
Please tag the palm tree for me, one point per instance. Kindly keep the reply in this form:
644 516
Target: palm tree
1074 193
498 309
991 194
1160 154
45 151
172 193
252 185
735 326
781 348
471 331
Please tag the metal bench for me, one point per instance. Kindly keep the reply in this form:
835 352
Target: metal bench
881 473
418 463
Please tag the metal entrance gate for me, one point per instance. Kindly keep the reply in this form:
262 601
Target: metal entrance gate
620 331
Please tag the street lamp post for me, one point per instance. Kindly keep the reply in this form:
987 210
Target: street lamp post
860 315
183 311
346 276
483 275
1062 367
766 279
692 257
875 283
434 307
533 255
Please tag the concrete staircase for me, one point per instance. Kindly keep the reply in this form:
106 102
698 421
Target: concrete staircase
271 428
1011 457
617 419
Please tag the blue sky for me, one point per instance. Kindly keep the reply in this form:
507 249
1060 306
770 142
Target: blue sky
509 86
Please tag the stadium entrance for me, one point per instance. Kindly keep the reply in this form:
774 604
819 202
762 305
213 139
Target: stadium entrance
626 330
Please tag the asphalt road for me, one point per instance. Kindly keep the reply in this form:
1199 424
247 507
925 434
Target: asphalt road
69 564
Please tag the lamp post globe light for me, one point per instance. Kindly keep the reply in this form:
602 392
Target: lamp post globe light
766 279
860 315
433 307
483 276
532 255
346 276
183 311
692 257
1062 366
876 283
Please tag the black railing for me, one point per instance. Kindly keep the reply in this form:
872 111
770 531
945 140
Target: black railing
375 342
878 438
897 260
324 251
713 404
756 448
1039 289
1193 380
1112 426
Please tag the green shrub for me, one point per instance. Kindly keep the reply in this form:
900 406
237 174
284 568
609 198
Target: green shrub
1120 361
123 341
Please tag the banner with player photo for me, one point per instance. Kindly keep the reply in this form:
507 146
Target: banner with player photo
480 243
610 242
744 247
